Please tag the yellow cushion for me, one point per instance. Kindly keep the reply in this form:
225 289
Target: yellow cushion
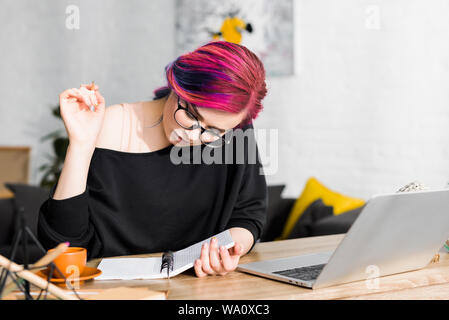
313 191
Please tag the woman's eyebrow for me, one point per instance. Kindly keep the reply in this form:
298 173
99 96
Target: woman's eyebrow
201 118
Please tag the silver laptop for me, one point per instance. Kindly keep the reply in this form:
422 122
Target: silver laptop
393 233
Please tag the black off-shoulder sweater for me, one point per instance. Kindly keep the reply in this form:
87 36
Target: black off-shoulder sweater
142 202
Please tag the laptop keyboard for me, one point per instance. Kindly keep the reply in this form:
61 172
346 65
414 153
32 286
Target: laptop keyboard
305 273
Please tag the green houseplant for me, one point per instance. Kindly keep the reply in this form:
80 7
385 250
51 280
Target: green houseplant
60 143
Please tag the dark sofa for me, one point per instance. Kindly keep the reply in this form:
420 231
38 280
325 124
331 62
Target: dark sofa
28 198
319 222
31 197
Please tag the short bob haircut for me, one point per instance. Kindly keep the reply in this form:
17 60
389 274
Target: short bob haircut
218 75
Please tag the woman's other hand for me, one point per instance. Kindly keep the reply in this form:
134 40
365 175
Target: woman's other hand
217 261
83 112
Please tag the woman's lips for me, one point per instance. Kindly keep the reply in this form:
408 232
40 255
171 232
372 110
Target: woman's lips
179 138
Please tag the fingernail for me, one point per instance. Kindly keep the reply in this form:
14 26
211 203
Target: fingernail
67 243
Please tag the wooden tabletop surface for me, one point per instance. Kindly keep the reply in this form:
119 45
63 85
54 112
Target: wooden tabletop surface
431 282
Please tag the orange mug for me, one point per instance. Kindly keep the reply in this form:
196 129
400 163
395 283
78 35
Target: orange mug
71 262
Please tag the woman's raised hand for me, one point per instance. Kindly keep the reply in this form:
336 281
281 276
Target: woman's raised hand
83 112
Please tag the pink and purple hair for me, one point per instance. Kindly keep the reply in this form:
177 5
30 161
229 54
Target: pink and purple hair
219 75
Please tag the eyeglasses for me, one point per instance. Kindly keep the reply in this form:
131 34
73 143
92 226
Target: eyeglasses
210 137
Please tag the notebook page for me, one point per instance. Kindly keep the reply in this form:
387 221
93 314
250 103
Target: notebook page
185 258
130 268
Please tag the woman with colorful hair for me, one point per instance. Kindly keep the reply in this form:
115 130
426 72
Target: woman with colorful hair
120 193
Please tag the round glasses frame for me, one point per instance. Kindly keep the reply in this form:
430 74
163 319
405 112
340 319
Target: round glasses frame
220 139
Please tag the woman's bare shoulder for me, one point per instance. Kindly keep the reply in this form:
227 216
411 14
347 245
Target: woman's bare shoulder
111 132
120 125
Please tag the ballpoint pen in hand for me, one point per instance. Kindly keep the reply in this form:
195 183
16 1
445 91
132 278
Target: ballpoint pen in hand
91 93
92 108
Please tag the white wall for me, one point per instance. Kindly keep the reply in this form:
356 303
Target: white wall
122 45
368 110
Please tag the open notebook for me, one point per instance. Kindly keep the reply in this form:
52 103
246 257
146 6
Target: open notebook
150 268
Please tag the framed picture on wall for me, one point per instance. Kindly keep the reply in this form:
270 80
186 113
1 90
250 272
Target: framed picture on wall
263 26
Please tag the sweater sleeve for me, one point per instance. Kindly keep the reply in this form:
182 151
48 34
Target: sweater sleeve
250 210
68 220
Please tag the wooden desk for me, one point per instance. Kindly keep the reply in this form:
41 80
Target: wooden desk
431 282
